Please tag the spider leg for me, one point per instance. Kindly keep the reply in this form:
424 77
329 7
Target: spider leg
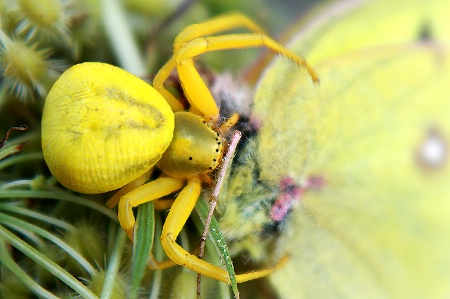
229 123
114 200
158 83
215 25
176 219
191 43
153 264
145 193
195 89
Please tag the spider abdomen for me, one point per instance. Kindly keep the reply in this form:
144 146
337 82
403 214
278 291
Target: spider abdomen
103 128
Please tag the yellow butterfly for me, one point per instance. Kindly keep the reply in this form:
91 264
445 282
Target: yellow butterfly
376 131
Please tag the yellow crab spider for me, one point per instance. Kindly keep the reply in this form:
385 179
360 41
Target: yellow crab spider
103 128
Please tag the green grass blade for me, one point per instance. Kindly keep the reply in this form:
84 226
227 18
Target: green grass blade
46 263
9 194
216 239
36 215
22 158
9 220
158 254
114 264
143 242
22 275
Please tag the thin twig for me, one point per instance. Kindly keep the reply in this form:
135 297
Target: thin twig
10 130
215 195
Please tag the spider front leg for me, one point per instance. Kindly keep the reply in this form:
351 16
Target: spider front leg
215 25
205 105
175 221
142 194
195 89
158 83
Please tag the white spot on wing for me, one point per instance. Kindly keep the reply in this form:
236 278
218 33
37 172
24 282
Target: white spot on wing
433 150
